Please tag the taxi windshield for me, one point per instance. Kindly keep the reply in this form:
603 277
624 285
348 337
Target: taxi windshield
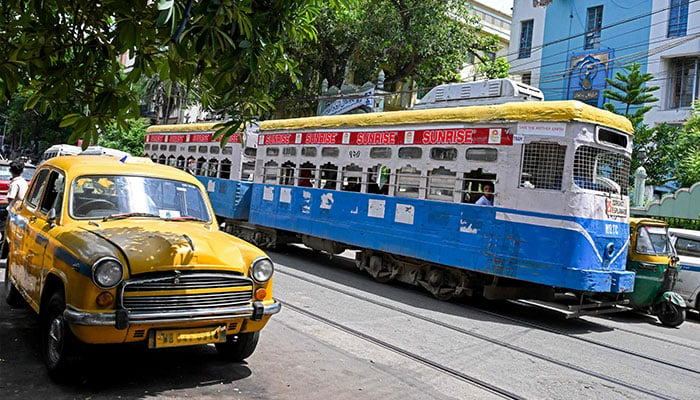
653 240
112 196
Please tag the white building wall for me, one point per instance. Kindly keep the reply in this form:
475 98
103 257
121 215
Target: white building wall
659 60
523 10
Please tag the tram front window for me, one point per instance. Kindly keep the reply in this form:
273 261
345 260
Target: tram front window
601 170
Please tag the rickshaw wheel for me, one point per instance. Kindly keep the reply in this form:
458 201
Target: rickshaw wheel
671 315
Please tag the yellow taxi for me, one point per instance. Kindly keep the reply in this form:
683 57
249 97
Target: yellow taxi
114 251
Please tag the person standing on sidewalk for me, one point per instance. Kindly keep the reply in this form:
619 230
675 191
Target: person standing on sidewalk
18 185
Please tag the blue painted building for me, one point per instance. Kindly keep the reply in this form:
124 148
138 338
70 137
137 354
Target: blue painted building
567 48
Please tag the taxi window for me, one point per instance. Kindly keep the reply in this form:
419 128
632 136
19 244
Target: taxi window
37 187
653 240
53 195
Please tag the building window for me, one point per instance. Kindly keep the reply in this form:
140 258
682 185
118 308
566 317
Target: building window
526 78
678 18
594 22
684 82
525 39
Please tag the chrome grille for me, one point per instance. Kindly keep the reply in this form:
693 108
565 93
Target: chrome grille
186 291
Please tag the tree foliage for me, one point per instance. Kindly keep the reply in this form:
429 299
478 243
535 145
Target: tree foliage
129 140
426 41
630 90
60 52
688 172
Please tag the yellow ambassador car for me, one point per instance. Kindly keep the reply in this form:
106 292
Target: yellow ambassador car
114 251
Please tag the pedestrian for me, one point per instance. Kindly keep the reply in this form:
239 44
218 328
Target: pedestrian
487 198
18 185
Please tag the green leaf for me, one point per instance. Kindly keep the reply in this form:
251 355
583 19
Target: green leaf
69 120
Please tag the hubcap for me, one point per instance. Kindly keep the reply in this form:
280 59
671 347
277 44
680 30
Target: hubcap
55 341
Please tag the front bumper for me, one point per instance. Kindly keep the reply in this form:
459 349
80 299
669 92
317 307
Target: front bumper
121 319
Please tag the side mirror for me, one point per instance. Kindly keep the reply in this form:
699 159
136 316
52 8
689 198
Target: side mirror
52 217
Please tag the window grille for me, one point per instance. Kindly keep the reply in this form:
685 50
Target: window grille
163 147
247 171
171 161
678 18
250 151
481 154
213 167
214 149
685 82
287 173
191 149
352 178
201 167
378 179
307 175
180 162
225 169
270 172
441 183
289 151
272 151
203 149
601 170
161 159
410 152
408 181
172 147
228 150
542 166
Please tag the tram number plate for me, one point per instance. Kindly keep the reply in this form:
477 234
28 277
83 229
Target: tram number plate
188 337
616 208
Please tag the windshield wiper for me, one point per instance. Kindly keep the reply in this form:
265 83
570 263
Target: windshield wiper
129 215
187 218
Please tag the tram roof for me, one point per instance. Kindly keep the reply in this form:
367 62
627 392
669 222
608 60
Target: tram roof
566 110
198 127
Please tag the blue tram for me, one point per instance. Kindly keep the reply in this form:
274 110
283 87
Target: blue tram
403 189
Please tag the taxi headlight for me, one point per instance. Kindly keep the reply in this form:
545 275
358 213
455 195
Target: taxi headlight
261 270
107 272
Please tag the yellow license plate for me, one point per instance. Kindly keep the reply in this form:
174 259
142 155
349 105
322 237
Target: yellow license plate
188 337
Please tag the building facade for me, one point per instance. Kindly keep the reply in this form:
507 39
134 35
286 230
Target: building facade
567 48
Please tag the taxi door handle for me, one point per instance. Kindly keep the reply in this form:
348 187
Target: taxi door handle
32 219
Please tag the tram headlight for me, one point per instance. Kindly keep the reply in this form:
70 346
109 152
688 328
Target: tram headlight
609 250
107 272
261 270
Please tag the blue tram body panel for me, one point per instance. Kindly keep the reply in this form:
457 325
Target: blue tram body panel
553 250
229 198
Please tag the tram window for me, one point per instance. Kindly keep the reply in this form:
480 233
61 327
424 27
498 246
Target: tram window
191 149
272 151
161 159
213 168
171 161
329 176
225 169
481 154
145 147
163 147
247 171
201 167
380 152
473 185
154 158
172 147
352 178
542 165
441 184
180 162
307 175
410 152
601 170
228 150
250 151
443 153
289 151
214 149
330 152
191 165
308 151
203 149
287 173
378 179
408 182
611 137
270 172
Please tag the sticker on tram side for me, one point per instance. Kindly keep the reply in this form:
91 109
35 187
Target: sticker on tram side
375 208
327 201
285 195
404 213
269 193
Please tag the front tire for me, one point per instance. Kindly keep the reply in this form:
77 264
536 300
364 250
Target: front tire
238 347
671 315
12 296
58 344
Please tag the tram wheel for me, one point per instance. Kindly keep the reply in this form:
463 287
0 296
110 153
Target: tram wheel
439 285
379 270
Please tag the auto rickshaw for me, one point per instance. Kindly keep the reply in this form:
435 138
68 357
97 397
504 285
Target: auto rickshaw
653 259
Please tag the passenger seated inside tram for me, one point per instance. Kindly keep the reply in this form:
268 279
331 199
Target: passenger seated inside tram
305 178
487 198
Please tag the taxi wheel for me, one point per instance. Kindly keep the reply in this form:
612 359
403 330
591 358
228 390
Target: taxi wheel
238 347
57 341
671 315
12 295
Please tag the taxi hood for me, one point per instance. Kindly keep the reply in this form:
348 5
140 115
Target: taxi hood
161 246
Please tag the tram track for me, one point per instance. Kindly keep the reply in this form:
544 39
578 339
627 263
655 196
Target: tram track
507 345
403 352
